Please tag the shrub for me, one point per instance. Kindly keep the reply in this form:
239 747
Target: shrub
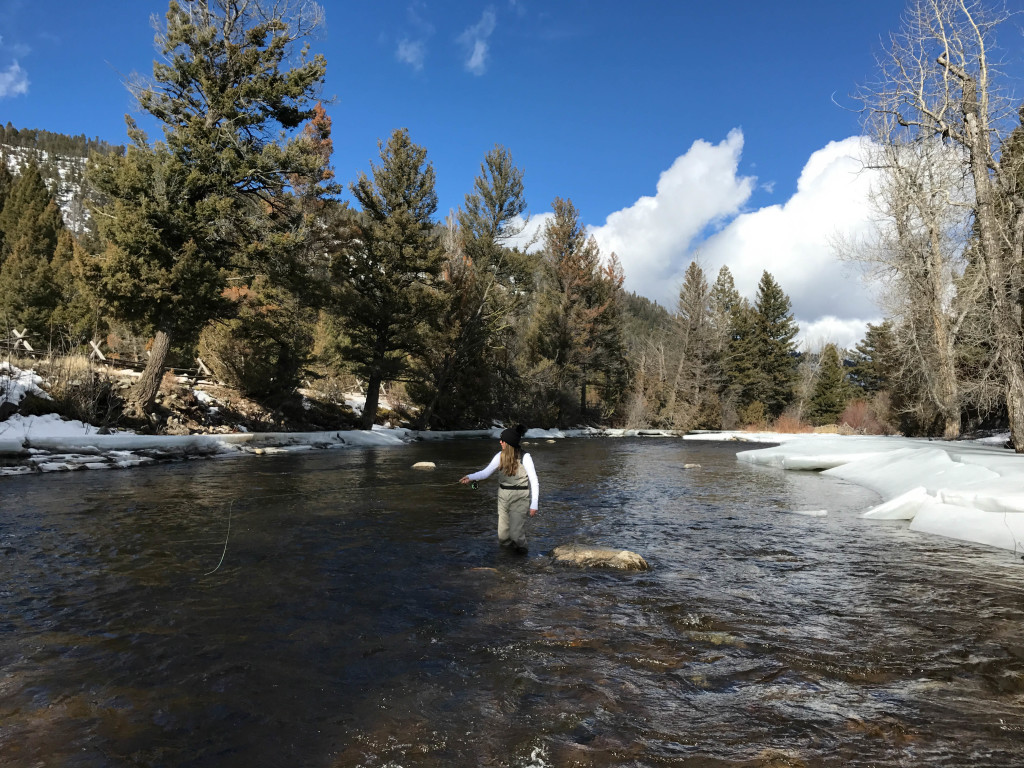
868 418
753 416
253 354
791 424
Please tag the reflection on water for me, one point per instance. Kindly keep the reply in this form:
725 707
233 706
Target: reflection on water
363 615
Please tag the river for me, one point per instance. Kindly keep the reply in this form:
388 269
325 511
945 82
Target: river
338 608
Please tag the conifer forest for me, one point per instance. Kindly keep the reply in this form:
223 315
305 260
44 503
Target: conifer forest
230 237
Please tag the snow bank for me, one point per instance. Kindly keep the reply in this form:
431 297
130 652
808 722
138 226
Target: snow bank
971 491
50 444
16 383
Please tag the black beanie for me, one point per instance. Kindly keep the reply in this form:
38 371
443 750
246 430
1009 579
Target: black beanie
511 436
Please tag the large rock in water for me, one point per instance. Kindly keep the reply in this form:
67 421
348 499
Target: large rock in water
603 557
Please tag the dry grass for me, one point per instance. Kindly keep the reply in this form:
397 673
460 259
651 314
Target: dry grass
81 389
791 425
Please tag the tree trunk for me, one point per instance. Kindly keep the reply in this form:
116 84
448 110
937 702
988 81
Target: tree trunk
948 394
143 394
372 399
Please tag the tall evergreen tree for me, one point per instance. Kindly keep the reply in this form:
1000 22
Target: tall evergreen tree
386 272
774 331
695 341
831 389
31 223
76 317
874 359
741 360
481 292
23 209
611 361
567 339
723 299
6 182
494 209
178 215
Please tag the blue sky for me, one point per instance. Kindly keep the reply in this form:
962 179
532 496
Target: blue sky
679 129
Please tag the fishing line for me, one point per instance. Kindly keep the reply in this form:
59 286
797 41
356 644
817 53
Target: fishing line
226 537
231 505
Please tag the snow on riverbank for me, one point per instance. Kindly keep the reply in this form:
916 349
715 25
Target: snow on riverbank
49 444
966 490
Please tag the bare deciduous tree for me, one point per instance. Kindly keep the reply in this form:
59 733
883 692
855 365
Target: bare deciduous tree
919 254
939 85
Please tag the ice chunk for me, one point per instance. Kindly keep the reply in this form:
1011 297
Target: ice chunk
903 507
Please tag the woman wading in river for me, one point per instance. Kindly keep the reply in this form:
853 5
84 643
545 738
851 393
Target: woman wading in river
517 488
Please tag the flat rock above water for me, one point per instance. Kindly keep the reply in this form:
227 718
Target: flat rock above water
587 556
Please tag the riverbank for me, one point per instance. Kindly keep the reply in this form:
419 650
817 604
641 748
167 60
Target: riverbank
49 444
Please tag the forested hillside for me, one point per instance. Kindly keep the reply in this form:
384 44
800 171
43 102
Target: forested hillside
228 238
61 160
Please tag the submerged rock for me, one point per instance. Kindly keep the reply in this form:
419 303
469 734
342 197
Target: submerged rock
602 557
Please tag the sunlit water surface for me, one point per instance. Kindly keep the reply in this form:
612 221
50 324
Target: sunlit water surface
338 608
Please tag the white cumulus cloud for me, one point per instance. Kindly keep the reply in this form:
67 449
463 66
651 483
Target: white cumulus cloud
476 40
794 241
13 81
657 237
653 237
844 333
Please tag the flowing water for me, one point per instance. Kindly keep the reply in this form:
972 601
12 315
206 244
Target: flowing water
338 608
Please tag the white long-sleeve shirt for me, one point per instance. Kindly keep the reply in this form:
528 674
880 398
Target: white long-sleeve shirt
527 462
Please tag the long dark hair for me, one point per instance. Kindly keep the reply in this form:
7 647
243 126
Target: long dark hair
511 454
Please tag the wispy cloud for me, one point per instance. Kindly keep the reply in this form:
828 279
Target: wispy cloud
476 40
13 81
412 52
412 46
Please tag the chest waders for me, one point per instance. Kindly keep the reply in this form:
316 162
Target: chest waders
513 508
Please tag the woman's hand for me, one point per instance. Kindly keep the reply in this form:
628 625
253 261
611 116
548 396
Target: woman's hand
464 480
533 512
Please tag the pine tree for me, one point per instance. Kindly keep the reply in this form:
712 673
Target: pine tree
31 223
213 196
774 330
567 337
25 202
611 361
695 341
385 272
6 182
724 298
831 389
494 209
76 316
741 361
481 291
874 361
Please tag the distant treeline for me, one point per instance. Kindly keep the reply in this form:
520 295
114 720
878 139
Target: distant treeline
55 143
